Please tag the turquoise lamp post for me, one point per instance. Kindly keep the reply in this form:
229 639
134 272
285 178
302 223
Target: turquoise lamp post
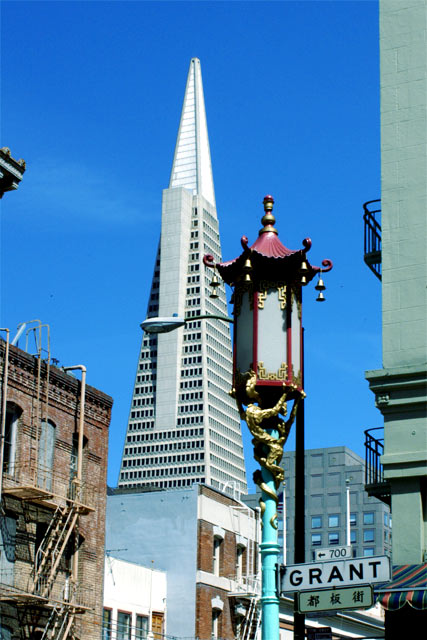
267 280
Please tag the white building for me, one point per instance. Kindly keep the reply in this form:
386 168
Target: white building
183 426
134 601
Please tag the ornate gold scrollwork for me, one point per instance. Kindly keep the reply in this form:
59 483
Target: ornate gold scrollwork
262 296
282 296
263 288
281 374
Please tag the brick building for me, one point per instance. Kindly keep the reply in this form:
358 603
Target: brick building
53 485
206 542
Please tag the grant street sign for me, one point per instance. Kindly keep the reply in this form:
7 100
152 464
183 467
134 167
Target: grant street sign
335 599
341 573
333 553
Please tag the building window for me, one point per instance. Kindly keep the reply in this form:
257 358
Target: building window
157 625
216 555
368 551
7 549
353 519
141 630
215 623
239 561
334 538
368 535
106 624
316 522
45 454
368 517
334 520
316 539
13 414
353 537
124 626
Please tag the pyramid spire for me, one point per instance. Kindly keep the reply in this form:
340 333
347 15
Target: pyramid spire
192 166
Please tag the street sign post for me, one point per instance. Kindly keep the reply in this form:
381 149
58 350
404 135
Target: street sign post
333 553
341 573
357 597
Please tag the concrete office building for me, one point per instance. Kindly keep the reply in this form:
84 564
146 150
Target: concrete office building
400 242
326 473
183 427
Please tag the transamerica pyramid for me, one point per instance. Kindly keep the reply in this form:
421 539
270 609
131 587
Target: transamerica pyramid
183 426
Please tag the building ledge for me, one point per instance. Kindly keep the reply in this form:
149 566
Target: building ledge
403 465
401 388
405 372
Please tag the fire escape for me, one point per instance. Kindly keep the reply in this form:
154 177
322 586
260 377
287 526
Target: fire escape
48 582
372 244
245 596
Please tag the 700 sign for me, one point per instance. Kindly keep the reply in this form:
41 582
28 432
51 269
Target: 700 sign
334 553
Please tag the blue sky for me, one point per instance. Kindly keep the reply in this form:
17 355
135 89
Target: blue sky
91 99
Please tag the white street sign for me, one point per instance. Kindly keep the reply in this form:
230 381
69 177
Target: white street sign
357 597
341 573
333 553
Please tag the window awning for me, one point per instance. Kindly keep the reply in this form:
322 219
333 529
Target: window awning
408 585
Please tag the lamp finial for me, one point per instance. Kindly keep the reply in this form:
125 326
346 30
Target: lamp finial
268 219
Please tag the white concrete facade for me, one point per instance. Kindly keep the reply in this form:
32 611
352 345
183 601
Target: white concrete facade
183 426
137 592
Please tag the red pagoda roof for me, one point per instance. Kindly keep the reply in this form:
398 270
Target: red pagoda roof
267 258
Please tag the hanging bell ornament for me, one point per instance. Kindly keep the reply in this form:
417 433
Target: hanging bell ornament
247 269
303 270
320 297
214 283
320 286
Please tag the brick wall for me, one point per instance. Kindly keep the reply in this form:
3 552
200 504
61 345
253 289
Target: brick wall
204 596
59 403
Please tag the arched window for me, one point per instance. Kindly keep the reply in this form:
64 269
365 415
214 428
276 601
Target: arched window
13 413
45 454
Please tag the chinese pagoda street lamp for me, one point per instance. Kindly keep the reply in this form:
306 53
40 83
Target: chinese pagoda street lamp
267 280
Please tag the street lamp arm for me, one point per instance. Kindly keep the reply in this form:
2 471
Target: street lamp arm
166 324
209 316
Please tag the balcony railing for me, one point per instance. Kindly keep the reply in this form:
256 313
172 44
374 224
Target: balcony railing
43 484
246 585
17 585
375 483
372 244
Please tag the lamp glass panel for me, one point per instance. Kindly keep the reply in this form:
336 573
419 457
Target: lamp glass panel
296 338
244 335
272 333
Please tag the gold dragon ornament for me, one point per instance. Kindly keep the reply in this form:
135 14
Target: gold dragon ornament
268 450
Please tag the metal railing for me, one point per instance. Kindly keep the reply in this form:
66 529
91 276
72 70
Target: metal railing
17 583
372 231
28 479
246 584
374 449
